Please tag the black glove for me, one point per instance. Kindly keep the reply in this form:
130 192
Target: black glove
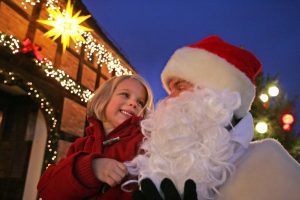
149 192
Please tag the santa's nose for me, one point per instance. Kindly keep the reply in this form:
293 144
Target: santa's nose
174 93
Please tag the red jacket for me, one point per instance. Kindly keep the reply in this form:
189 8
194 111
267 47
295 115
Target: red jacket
73 177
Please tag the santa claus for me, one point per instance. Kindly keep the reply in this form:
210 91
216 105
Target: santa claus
203 130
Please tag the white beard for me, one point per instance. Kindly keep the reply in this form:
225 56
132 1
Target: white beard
186 138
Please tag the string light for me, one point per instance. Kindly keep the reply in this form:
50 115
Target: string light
52 4
49 4
9 78
64 80
102 55
59 75
261 127
286 127
29 2
264 98
273 91
10 42
287 120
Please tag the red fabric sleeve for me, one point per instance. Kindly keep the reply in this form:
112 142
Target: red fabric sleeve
84 170
62 182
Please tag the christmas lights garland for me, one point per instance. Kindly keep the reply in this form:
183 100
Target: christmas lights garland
59 75
65 81
49 4
11 79
102 55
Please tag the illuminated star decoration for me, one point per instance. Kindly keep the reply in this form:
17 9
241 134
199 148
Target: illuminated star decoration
66 25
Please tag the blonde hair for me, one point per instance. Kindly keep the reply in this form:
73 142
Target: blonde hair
97 104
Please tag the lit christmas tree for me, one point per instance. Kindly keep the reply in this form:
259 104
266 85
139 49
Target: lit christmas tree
274 115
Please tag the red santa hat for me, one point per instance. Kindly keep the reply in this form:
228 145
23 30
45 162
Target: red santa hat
214 63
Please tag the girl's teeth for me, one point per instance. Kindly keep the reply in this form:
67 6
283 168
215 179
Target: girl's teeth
126 113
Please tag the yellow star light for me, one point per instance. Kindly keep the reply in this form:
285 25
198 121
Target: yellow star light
66 25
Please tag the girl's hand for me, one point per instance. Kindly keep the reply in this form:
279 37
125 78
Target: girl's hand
109 171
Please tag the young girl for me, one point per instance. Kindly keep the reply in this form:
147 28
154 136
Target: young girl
96 161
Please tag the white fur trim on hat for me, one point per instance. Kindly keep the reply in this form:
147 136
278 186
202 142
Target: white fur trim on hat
205 69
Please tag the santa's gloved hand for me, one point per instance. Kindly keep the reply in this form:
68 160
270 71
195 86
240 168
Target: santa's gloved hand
149 192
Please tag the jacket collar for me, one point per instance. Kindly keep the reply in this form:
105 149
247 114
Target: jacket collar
134 120
242 133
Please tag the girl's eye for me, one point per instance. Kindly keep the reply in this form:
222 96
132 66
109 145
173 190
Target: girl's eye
125 94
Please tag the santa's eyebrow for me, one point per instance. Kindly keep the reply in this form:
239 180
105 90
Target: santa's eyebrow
179 82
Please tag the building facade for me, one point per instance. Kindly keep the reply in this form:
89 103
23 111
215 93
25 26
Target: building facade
44 90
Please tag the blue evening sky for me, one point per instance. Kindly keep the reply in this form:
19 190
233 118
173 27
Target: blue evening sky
148 32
